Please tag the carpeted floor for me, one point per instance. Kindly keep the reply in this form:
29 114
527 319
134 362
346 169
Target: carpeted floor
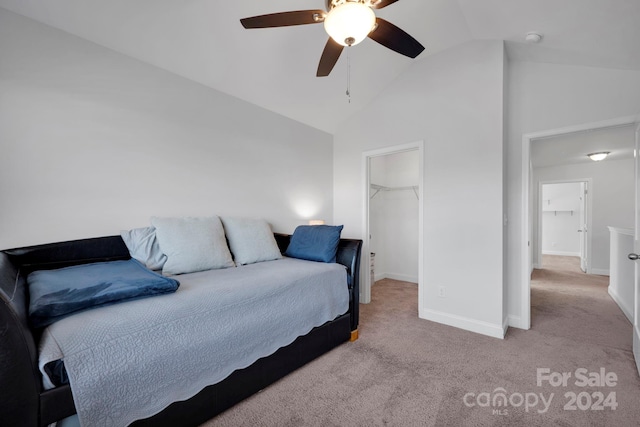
404 371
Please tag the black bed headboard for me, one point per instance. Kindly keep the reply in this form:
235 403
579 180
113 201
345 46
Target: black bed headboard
57 255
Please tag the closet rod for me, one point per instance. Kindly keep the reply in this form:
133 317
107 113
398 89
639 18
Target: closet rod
380 188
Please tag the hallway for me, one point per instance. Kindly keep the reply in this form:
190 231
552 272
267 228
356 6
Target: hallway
569 303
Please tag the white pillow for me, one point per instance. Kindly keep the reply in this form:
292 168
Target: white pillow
143 246
251 240
192 244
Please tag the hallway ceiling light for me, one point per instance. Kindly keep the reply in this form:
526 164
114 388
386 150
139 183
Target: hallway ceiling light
596 157
533 37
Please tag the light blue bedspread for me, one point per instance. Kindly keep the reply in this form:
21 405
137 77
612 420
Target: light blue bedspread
130 361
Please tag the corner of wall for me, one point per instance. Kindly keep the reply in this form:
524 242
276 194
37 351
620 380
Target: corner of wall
468 324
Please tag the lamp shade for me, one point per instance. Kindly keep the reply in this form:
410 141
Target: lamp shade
349 23
596 157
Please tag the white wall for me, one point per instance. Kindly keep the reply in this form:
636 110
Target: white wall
454 102
393 219
92 141
551 96
561 205
612 199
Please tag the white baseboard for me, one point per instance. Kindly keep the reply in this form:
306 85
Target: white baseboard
561 253
600 271
636 347
626 310
472 325
536 266
517 322
397 276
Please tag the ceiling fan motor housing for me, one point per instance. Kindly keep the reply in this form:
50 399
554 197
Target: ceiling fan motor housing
333 3
349 22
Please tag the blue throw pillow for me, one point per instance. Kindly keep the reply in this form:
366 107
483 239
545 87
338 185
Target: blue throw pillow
55 294
315 242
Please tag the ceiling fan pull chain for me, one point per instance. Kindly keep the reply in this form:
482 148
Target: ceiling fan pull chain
349 74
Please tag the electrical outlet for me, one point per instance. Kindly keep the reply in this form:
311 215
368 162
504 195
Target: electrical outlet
441 293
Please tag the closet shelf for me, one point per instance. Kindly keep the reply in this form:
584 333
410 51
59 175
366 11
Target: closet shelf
379 188
555 211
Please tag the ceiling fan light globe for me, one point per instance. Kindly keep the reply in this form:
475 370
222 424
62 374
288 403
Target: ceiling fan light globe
349 23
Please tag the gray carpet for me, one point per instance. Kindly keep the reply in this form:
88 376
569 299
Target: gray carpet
404 371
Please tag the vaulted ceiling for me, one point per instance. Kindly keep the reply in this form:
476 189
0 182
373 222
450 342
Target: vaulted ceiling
275 68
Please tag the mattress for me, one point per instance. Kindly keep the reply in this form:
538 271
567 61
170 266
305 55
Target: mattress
129 361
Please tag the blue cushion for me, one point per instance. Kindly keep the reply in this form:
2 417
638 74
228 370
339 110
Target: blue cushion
55 294
315 242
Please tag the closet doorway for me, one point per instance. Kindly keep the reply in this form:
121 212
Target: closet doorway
393 216
564 215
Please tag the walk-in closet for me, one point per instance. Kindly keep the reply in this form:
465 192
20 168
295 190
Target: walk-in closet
393 215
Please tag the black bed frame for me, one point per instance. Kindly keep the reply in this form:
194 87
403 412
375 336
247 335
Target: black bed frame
24 402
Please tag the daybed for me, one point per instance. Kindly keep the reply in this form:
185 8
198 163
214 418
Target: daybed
25 402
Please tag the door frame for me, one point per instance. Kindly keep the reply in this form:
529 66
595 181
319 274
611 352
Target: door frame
588 209
524 322
365 293
585 237
636 247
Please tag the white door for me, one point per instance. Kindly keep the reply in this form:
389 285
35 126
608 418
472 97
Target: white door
584 193
634 257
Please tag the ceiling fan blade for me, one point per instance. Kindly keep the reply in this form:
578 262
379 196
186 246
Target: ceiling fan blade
330 55
395 39
284 19
383 3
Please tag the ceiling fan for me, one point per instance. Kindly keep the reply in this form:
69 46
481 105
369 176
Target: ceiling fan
347 22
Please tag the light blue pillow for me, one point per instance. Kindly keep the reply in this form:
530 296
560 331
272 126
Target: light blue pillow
315 242
250 240
192 244
143 246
